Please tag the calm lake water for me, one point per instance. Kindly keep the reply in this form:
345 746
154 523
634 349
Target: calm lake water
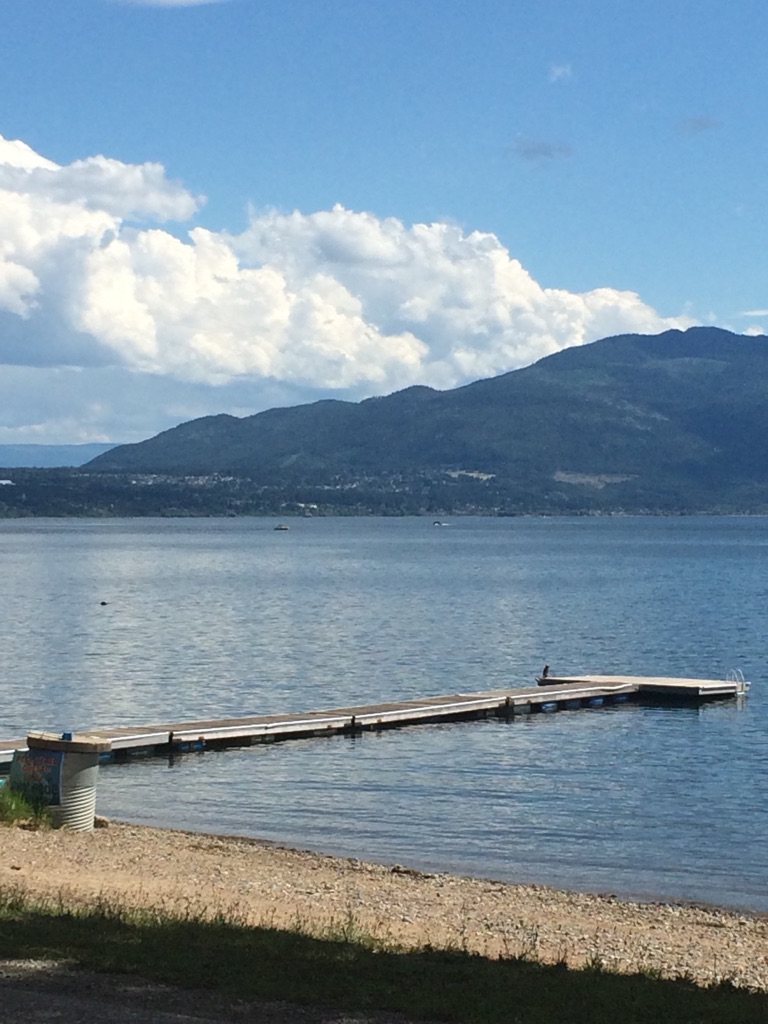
214 618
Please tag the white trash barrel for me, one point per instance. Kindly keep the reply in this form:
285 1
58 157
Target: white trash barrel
74 806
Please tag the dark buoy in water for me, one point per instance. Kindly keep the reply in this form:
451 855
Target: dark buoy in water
103 603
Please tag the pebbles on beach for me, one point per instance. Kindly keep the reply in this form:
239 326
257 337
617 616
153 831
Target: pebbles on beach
262 884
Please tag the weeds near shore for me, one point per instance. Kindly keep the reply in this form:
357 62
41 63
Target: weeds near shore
529 948
346 968
16 809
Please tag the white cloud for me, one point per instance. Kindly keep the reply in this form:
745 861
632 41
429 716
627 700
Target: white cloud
560 72
334 299
15 153
122 190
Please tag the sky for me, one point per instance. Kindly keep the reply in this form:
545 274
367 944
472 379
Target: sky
214 206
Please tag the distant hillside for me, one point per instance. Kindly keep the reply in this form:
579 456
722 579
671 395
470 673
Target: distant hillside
49 455
672 421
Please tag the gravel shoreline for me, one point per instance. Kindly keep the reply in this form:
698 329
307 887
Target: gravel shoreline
263 884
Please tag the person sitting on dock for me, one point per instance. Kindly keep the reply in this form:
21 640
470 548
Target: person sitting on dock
543 679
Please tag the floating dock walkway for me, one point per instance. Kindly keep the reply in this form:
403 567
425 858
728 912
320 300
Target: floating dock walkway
551 694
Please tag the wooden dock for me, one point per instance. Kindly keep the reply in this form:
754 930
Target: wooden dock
552 694
694 689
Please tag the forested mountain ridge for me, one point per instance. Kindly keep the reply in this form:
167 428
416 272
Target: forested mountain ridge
676 420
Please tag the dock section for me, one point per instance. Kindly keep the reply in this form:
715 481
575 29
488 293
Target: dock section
551 694
661 686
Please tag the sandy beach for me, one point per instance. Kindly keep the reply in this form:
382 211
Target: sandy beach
260 883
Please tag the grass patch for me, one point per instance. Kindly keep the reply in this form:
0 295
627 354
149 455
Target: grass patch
16 809
354 974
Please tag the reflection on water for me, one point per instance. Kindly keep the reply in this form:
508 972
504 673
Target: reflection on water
215 618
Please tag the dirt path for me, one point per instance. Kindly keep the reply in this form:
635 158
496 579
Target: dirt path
39 991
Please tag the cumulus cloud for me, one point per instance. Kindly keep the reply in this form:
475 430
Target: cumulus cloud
297 303
125 191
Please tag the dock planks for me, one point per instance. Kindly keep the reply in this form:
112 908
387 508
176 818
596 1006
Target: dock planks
671 687
551 694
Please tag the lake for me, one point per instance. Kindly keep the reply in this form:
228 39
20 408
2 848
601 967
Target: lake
214 618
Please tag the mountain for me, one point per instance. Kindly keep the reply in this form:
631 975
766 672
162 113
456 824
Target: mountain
49 455
669 421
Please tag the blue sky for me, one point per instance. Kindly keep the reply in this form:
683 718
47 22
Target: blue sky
224 206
